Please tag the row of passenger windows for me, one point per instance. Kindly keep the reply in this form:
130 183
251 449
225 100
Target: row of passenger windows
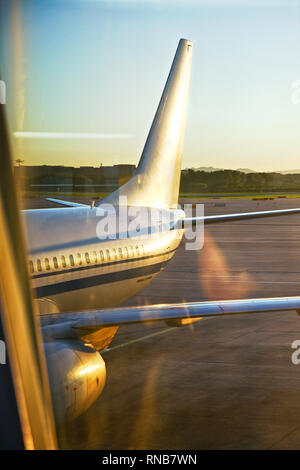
87 258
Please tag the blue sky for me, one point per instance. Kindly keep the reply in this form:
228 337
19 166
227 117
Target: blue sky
93 66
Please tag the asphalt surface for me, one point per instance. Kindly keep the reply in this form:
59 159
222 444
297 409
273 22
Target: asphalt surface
222 383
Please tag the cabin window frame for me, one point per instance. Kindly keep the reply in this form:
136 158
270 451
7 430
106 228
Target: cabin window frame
31 266
39 265
63 261
95 256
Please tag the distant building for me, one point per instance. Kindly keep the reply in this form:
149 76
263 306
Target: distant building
117 172
59 177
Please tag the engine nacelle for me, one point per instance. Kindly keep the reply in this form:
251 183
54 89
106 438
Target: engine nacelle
77 375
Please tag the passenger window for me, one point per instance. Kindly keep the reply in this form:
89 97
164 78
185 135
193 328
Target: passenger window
125 252
31 268
120 253
87 258
63 261
47 264
55 262
101 256
137 251
108 255
79 260
71 260
130 251
115 254
95 259
39 265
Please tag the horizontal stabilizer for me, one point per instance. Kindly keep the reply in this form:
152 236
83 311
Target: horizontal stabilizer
214 219
66 203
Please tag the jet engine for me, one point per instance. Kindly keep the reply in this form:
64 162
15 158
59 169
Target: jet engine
77 375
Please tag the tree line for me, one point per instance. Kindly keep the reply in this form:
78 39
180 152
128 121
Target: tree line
193 181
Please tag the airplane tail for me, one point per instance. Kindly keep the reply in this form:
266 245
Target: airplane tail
157 177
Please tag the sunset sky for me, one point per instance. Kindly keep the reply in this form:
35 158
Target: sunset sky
79 67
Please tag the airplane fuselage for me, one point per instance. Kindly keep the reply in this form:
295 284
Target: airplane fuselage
73 269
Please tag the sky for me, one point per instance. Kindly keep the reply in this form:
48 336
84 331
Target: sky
84 78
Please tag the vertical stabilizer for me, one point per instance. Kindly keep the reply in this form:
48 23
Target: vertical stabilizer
157 177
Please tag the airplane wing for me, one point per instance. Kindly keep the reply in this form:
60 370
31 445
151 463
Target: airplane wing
66 203
76 324
214 219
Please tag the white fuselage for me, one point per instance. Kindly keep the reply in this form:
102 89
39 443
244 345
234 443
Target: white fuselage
73 269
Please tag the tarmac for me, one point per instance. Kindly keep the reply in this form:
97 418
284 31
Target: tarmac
221 383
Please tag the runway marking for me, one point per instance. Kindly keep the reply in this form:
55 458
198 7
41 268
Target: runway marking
282 438
254 240
138 339
148 336
230 280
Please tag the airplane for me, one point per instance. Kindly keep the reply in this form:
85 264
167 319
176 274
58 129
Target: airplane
79 279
